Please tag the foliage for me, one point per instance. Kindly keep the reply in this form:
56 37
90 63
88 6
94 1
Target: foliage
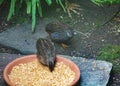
111 53
100 2
1 2
60 2
32 7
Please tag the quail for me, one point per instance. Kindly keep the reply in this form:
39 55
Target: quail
46 52
59 32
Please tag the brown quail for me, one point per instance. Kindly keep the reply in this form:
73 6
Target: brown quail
46 52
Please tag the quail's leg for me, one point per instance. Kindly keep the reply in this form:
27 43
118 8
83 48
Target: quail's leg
64 46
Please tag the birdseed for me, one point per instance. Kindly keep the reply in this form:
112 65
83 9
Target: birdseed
35 74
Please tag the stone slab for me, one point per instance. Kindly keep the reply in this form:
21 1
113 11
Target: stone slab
93 72
21 37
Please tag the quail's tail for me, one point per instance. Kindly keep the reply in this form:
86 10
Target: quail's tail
51 66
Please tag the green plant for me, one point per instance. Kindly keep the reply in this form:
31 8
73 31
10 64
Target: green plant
100 2
32 6
1 2
61 4
111 53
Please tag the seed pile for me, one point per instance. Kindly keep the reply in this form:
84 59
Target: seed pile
35 74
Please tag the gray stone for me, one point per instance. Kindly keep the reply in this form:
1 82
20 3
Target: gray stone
93 72
21 37
5 58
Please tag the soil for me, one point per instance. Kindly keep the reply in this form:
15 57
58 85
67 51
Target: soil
88 47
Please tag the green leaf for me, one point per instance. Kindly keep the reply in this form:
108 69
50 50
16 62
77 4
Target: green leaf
39 8
11 10
61 4
28 7
33 14
1 2
97 2
100 2
49 2
57 1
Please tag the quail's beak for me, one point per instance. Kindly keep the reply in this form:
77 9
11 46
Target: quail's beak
51 66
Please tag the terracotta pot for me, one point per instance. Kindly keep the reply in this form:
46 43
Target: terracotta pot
30 58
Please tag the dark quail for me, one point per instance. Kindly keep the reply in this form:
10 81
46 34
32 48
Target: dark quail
59 32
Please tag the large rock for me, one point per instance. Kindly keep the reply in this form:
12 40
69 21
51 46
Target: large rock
21 37
93 72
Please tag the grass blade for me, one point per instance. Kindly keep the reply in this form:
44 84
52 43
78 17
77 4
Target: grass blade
57 2
39 7
60 2
11 10
1 2
49 2
28 7
33 14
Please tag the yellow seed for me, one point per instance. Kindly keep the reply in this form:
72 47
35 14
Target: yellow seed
35 74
